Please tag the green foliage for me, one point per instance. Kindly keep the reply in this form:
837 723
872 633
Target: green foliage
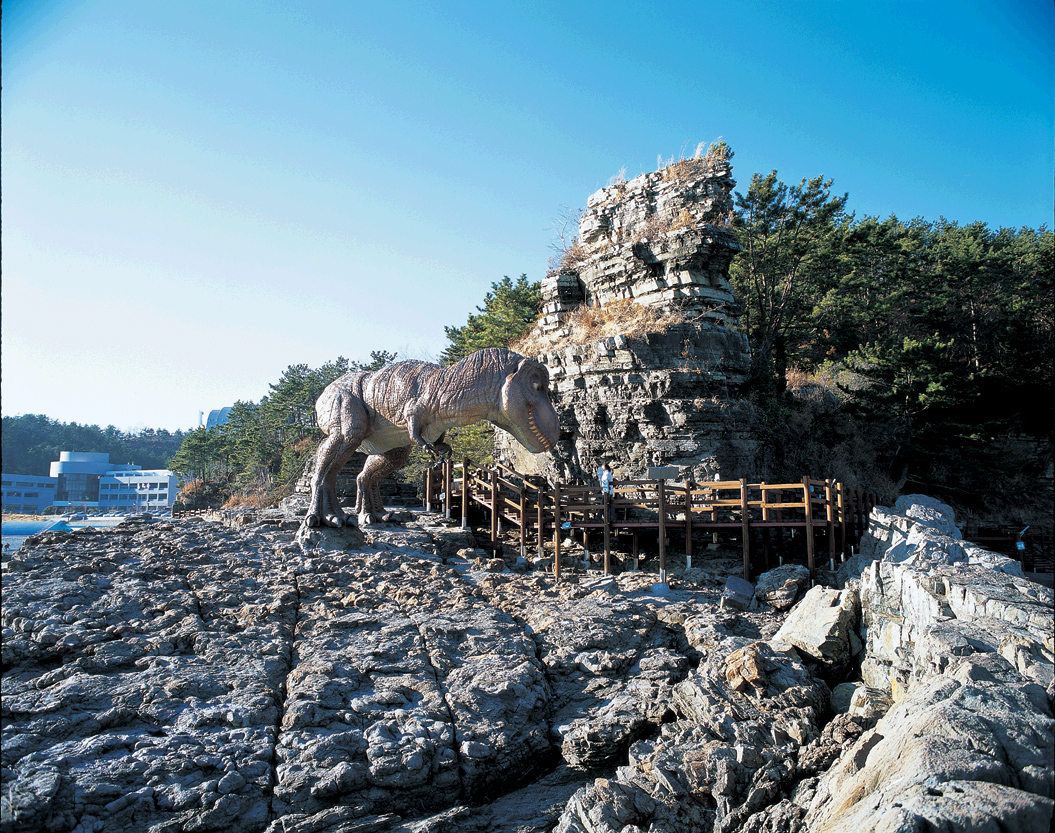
31 442
789 238
943 333
508 312
198 457
261 450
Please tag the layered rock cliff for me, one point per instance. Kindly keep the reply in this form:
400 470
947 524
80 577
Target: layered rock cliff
638 332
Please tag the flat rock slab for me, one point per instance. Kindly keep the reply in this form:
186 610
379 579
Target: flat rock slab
208 678
196 676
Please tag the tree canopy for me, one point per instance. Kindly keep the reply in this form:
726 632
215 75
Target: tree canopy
32 441
508 311
939 332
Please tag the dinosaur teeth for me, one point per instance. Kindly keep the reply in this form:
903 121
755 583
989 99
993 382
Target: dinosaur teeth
534 430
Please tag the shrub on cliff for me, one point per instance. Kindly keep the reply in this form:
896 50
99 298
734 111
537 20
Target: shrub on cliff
587 325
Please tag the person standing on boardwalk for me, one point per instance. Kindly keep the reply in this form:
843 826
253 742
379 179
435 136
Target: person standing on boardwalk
605 476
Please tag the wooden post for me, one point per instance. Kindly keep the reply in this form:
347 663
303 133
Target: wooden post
541 519
765 530
688 525
829 517
522 510
428 490
637 566
809 527
859 516
661 494
844 542
556 532
607 534
467 492
745 528
780 534
494 509
448 477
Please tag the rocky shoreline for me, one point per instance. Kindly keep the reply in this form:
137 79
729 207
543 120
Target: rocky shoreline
195 676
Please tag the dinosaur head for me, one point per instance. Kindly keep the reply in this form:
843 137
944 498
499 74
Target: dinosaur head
526 411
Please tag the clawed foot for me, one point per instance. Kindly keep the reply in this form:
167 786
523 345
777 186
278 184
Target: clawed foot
333 519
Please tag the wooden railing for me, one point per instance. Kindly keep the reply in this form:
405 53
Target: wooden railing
826 512
193 513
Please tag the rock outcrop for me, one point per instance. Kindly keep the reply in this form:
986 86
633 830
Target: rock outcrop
662 392
192 676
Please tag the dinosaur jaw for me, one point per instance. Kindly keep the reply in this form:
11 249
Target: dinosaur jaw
525 410
534 429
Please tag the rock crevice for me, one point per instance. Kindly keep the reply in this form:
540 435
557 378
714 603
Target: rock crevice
191 676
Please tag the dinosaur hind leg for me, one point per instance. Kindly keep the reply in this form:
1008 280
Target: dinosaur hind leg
378 466
334 514
324 508
325 456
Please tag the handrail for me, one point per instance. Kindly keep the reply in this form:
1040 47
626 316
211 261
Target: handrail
814 506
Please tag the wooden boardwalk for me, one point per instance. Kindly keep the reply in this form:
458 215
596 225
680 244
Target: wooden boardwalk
829 517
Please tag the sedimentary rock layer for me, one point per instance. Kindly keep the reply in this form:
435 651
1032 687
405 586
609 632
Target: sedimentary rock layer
667 393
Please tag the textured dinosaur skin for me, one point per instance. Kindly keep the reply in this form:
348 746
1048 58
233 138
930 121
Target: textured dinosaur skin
385 411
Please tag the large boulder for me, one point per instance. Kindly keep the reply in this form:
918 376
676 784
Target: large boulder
782 586
928 595
822 626
960 751
652 374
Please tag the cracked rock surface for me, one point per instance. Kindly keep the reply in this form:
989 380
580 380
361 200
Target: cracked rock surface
189 676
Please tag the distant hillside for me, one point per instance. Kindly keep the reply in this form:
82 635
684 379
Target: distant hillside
31 442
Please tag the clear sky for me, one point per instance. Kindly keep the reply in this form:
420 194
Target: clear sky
198 194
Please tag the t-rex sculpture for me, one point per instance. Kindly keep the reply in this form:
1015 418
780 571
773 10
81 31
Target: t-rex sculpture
385 411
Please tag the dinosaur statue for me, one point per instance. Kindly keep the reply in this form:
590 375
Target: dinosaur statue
385 411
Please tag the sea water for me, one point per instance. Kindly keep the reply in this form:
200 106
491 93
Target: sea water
16 532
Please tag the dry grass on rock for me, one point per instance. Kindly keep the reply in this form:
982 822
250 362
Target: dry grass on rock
587 325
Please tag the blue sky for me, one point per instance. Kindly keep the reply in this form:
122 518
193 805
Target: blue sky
196 195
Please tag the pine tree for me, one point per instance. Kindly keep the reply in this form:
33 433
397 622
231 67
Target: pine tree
508 312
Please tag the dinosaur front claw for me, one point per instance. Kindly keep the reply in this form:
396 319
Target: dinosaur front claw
441 452
437 455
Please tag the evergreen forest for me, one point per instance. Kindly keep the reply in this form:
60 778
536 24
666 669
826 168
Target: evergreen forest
32 441
918 354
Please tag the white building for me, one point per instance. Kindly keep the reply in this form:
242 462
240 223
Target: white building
78 474
89 481
138 491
